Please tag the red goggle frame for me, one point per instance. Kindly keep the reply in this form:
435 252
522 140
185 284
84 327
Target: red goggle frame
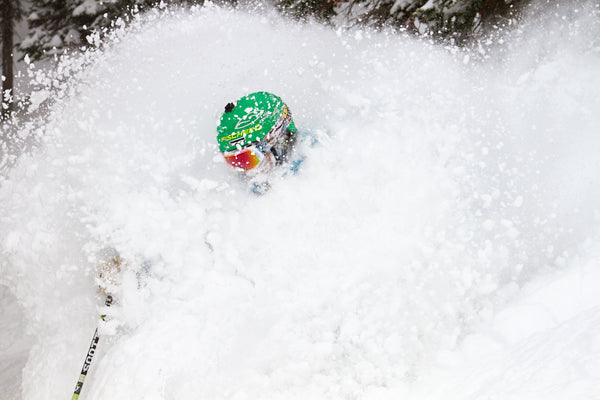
247 158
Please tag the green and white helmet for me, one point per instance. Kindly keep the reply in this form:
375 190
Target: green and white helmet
249 128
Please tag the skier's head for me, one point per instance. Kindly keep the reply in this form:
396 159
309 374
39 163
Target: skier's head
250 127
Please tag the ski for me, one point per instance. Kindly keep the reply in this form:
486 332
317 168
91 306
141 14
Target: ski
90 355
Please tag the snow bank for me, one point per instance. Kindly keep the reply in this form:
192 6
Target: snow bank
443 191
545 343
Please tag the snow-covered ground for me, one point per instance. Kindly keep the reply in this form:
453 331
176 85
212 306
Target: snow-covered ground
440 241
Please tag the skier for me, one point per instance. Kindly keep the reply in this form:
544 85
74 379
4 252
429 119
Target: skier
256 133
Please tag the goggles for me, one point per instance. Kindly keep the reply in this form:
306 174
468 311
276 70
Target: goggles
247 158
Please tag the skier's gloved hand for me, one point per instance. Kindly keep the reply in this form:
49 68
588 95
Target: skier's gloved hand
109 276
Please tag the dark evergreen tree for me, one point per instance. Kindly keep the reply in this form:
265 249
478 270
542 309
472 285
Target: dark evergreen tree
10 13
58 24
322 10
457 19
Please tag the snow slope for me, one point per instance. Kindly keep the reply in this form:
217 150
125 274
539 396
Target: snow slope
441 240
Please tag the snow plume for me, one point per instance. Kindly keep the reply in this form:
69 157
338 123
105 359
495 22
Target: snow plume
443 229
